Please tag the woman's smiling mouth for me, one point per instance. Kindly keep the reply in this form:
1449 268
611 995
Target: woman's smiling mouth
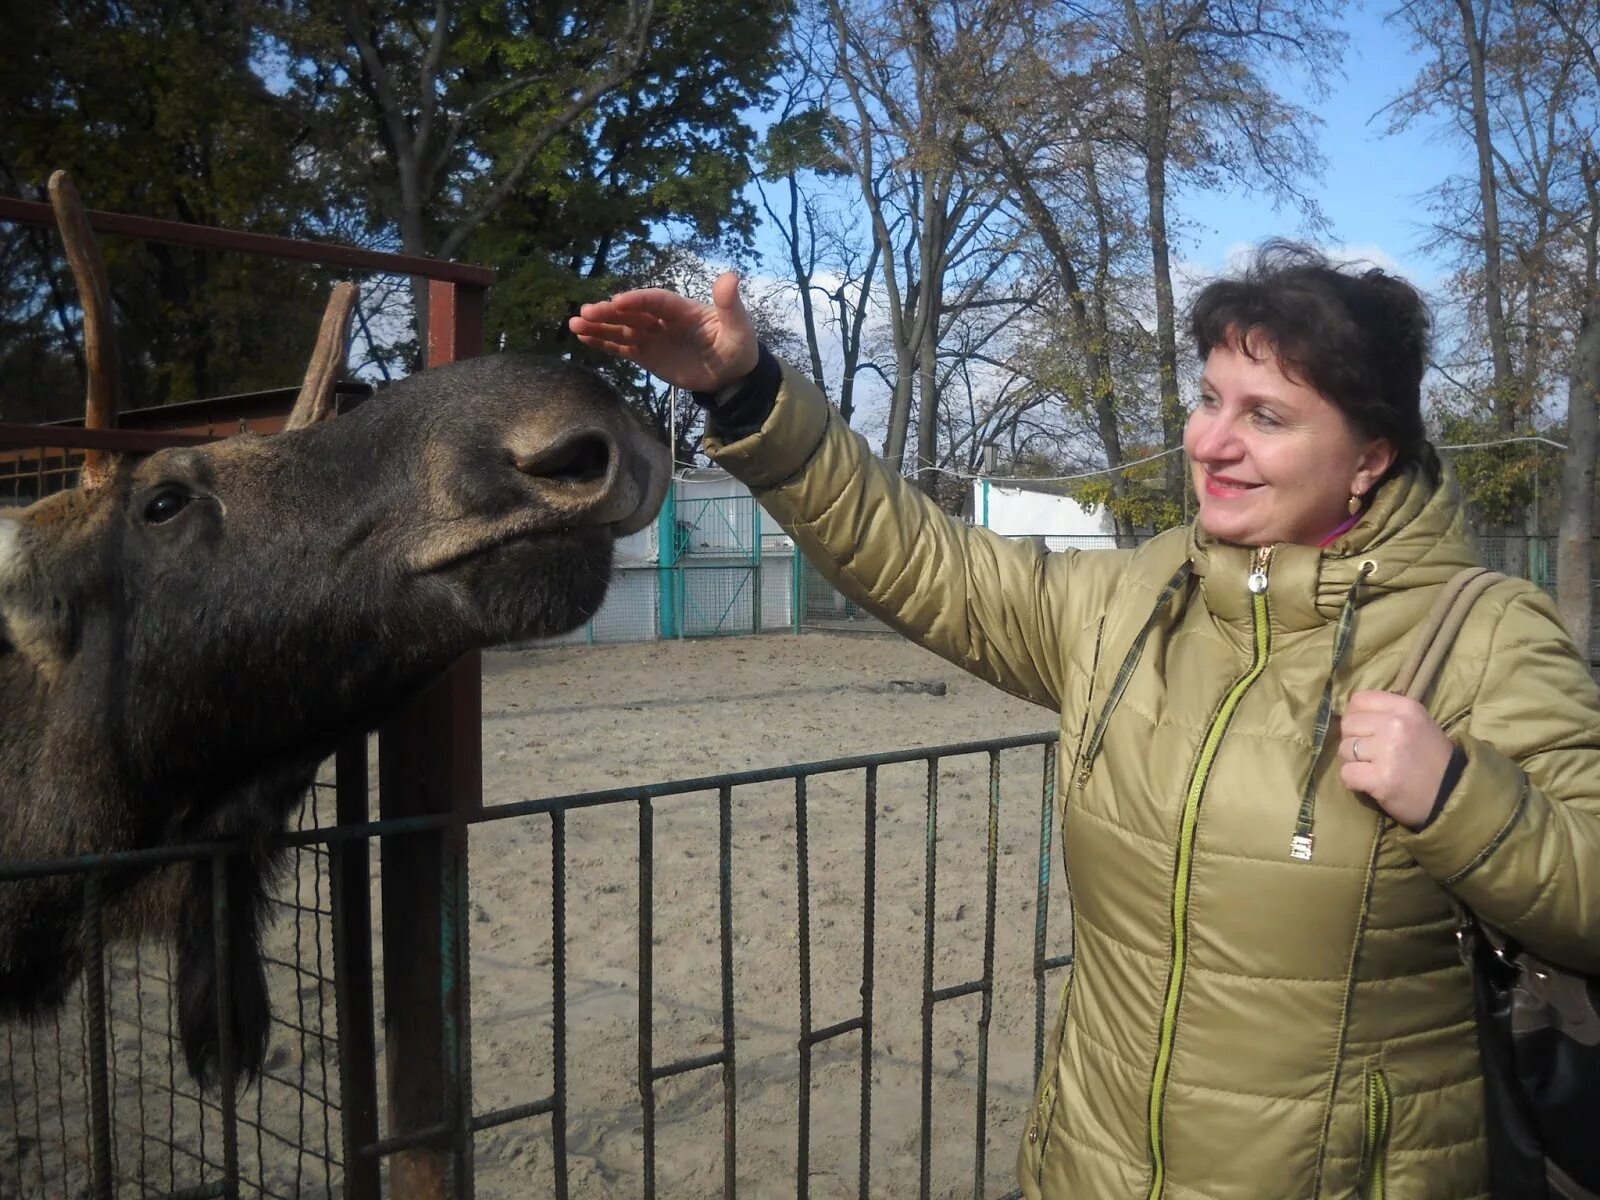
1222 485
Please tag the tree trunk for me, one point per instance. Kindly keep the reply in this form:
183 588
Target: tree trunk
1504 399
802 279
1488 197
852 323
1575 549
1166 315
927 419
894 441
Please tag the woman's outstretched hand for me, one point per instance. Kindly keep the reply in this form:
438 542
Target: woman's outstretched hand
702 347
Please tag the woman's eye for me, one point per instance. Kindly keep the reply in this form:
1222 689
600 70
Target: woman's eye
1265 419
165 504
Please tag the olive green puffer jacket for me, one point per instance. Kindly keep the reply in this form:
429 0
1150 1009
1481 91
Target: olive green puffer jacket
1239 1022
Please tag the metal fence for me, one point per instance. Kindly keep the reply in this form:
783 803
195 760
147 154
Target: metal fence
99 1102
756 973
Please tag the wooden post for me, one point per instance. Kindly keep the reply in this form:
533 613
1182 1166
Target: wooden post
430 760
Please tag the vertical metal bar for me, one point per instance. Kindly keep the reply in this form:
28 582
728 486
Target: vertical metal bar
988 975
869 906
349 873
729 1074
797 591
558 993
456 960
227 1070
647 1093
1041 903
930 869
83 1047
61 1091
172 1082
431 761
94 984
802 1183
112 1072
666 563
16 1109
138 1056
755 567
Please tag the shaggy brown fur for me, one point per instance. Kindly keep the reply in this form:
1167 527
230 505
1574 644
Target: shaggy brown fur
182 645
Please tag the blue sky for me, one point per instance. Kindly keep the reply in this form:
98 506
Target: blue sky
1372 189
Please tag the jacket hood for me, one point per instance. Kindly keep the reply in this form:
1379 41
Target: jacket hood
1413 534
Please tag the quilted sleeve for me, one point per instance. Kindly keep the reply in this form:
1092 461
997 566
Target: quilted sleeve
1518 841
1001 609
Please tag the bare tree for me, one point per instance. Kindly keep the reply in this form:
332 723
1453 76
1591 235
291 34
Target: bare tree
422 109
832 255
1517 81
940 225
1198 105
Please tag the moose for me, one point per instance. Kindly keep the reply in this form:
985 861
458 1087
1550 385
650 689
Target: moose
186 637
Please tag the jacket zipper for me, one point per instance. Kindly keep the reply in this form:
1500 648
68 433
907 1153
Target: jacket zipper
1257 584
1085 754
1044 1112
1375 1136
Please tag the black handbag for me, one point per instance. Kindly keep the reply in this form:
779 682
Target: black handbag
1538 1023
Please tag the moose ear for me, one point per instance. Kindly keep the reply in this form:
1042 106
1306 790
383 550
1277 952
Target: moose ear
315 402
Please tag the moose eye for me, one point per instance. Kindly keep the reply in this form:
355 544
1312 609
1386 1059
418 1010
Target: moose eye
165 504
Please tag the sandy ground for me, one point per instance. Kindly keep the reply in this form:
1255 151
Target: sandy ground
559 721
571 720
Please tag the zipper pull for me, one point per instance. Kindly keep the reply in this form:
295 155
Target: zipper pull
1257 583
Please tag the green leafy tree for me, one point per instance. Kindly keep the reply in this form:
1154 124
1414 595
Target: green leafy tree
650 174
514 113
154 107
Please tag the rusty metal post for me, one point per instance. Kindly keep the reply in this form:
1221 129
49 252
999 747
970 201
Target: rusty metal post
349 872
94 988
430 760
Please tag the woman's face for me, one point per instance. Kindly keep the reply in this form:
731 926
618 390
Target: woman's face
1273 461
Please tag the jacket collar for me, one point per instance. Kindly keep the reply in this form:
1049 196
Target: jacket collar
1413 533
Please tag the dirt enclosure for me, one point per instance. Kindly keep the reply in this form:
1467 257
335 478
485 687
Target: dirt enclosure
559 721
581 719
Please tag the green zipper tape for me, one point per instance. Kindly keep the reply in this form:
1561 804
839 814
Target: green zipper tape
1376 1147
1180 889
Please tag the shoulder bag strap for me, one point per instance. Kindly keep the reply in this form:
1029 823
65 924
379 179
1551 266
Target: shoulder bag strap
1438 631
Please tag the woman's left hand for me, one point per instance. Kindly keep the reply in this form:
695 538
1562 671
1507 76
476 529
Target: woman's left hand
1395 753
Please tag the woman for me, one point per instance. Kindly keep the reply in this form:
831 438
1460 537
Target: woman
1267 999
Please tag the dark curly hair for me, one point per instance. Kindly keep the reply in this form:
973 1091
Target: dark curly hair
1360 338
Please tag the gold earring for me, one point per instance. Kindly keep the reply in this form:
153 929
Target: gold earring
1355 503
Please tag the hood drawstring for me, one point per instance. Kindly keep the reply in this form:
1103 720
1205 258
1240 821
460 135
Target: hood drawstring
1125 672
1304 839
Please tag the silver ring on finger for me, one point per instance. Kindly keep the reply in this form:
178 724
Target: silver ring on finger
1355 750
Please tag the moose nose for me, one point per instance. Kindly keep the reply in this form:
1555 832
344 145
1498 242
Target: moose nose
588 476
577 459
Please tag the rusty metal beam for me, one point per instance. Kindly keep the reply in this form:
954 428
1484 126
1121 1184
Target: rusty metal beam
72 437
207 237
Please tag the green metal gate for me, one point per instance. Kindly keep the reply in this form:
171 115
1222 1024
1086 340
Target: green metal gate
710 581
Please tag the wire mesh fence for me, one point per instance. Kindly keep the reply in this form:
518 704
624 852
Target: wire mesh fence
678 971
100 1102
